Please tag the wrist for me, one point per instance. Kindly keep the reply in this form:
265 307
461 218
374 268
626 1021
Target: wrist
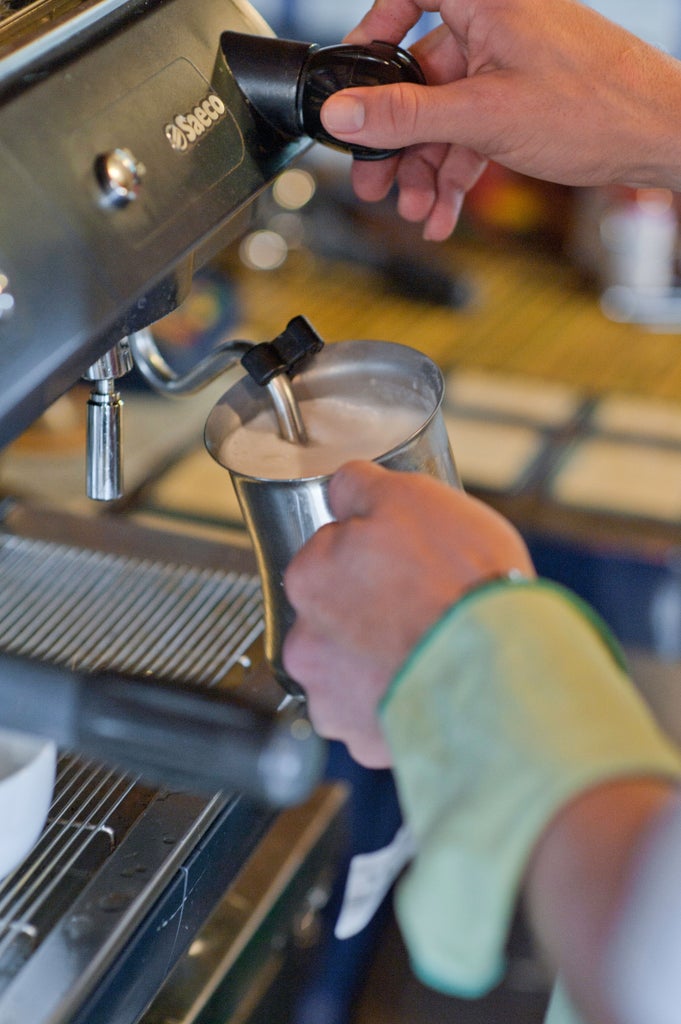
652 152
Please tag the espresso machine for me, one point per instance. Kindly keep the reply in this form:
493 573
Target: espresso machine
134 137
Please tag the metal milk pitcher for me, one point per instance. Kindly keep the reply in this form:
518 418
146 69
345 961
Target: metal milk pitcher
281 514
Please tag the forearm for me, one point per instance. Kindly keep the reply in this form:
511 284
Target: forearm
580 879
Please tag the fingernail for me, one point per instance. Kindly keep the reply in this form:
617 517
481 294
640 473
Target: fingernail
343 114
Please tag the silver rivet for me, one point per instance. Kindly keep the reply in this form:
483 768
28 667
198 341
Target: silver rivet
119 175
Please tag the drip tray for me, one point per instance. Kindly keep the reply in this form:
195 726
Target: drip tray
84 828
117 859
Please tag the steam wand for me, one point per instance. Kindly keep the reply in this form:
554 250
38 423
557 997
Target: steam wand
166 381
270 364
287 410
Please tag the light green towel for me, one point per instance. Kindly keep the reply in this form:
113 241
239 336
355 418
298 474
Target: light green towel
516 701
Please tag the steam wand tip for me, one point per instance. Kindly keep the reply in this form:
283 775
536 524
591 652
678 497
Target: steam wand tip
272 364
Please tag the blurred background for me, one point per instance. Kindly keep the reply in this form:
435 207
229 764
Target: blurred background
658 21
555 315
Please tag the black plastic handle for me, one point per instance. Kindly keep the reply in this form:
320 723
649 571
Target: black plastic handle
285 354
177 736
287 82
332 68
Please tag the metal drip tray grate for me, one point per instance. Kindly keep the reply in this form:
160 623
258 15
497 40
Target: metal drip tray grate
80 834
111 847
94 610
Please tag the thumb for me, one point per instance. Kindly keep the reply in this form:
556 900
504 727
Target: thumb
355 489
394 116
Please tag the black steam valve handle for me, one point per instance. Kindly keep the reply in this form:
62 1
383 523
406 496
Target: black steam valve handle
285 354
287 81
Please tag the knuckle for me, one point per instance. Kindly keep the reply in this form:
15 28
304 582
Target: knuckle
404 109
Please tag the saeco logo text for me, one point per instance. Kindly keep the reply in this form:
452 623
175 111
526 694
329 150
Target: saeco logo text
186 129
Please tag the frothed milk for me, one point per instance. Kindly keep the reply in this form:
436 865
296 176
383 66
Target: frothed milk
339 430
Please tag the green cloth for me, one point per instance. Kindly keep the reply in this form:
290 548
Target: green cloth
514 702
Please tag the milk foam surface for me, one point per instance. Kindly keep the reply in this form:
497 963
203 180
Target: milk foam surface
338 428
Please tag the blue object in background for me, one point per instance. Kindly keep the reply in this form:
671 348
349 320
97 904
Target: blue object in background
204 319
340 965
639 598
656 21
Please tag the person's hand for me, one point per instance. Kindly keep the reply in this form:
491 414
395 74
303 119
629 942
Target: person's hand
548 88
366 588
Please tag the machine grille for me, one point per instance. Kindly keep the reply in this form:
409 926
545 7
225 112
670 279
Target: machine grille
94 610
91 610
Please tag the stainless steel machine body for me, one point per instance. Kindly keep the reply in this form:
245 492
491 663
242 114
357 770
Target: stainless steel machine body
92 95
128 157
105 919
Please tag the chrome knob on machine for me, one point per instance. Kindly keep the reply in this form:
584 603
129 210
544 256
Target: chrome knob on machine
119 176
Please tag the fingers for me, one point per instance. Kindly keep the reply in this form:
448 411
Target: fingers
389 20
314 586
433 181
385 116
342 690
468 112
433 177
310 577
443 217
441 53
417 179
373 179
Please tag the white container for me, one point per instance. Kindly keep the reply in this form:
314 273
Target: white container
27 773
640 240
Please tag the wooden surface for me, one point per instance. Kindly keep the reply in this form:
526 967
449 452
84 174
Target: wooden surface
530 314
532 322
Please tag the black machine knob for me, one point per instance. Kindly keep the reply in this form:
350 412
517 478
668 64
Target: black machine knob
332 68
287 81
